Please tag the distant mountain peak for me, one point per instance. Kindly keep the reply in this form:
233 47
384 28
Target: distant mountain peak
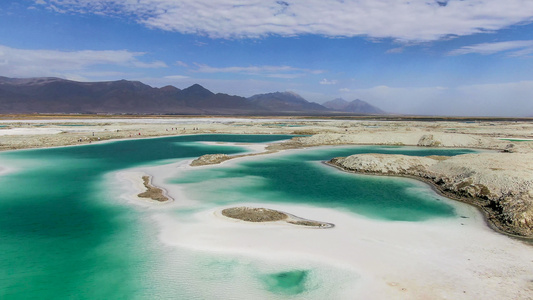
196 86
169 88
336 104
197 91
285 101
355 106
287 96
293 94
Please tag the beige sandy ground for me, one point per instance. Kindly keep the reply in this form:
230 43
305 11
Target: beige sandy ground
21 134
442 259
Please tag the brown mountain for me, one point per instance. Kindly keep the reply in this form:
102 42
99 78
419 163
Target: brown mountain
356 106
55 95
286 102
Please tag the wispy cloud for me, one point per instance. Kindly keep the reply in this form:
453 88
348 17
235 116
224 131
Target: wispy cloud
176 77
328 82
24 62
512 48
267 71
182 64
396 50
419 20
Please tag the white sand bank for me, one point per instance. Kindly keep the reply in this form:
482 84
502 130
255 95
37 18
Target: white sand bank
29 131
453 258
206 120
393 260
252 147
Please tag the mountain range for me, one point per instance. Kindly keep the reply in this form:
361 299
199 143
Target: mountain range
355 106
55 95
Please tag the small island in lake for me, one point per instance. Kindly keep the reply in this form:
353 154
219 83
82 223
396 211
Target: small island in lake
253 214
153 192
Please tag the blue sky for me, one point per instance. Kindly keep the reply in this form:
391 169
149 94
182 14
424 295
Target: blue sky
455 57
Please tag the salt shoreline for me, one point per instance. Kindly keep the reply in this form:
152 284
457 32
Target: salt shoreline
438 259
449 195
435 259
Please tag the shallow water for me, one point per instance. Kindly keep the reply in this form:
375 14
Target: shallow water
302 178
62 236
65 235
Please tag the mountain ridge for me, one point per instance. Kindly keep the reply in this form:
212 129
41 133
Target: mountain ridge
56 95
354 106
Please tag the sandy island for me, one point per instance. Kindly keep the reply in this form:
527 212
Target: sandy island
152 192
259 215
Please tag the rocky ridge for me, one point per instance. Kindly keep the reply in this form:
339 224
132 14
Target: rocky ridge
499 183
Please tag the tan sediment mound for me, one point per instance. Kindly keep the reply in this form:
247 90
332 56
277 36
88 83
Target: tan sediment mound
210 159
253 214
213 159
152 192
395 138
501 184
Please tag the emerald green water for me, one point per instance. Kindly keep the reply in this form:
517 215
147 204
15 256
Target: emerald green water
61 237
64 236
286 283
302 178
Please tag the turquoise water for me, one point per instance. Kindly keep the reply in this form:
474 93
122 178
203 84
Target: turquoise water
61 237
64 236
302 178
286 283
516 140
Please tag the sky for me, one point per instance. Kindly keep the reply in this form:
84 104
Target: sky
425 57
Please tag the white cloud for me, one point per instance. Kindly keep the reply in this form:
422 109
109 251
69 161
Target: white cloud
177 77
328 82
395 50
27 63
513 48
181 64
286 72
416 20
